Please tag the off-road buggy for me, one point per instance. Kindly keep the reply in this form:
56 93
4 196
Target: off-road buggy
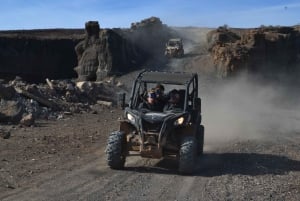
159 134
174 48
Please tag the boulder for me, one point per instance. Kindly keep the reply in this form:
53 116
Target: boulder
84 86
7 92
11 111
27 120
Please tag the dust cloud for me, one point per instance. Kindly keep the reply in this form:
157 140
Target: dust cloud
188 47
240 108
247 108
243 107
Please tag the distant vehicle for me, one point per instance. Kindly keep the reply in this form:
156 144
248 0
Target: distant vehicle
152 134
174 48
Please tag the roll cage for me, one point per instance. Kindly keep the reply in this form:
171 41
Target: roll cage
186 82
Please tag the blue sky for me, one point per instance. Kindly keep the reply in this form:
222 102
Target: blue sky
38 14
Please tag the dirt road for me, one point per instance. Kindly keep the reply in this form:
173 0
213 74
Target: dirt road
264 169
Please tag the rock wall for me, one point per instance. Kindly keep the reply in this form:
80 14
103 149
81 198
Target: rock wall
36 56
268 51
87 54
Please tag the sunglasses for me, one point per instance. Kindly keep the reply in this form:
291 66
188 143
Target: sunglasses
151 95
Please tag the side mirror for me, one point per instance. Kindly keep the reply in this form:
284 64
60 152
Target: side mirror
197 104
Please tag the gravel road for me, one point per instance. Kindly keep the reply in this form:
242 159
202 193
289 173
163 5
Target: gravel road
259 169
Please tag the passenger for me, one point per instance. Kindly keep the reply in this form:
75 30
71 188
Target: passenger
160 94
174 101
152 102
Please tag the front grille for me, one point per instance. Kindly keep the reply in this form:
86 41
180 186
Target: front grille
152 127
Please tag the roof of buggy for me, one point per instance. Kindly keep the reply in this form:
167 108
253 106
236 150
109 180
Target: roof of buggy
175 39
166 77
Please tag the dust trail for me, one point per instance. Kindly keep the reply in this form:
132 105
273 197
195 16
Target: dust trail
188 47
247 109
243 107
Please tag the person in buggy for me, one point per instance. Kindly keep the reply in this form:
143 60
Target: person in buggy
173 102
160 94
152 102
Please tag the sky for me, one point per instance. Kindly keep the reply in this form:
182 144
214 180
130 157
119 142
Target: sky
37 14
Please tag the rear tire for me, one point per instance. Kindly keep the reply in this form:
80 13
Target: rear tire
187 155
115 150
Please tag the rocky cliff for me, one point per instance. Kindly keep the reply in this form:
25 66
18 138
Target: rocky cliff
37 54
92 52
268 51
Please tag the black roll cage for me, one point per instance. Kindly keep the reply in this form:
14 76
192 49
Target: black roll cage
175 78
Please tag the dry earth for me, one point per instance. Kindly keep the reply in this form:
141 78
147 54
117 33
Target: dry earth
246 157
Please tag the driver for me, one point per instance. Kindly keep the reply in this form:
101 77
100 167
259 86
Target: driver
152 103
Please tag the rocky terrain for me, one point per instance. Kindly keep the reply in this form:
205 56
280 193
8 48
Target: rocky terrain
53 132
269 51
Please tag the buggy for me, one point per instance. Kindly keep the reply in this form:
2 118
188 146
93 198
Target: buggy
154 134
174 48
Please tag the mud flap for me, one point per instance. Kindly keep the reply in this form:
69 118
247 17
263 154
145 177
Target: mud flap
200 139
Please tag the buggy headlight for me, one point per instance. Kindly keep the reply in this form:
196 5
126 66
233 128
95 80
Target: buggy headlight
130 117
179 121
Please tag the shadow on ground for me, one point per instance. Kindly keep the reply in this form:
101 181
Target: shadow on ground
215 164
245 164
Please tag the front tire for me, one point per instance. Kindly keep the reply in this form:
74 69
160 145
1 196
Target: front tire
115 150
187 155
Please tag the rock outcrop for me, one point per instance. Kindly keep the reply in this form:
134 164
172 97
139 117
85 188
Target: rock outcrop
268 51
104 52
112 51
